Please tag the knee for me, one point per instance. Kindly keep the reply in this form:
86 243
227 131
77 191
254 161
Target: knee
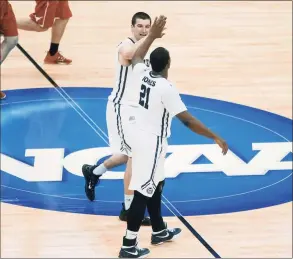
42 29
121 159
115 160
65 20
61 21
124 159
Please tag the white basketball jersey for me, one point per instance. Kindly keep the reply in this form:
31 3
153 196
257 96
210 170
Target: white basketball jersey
123 76
158 101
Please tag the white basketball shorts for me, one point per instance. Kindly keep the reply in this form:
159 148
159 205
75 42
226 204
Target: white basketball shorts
118 137
148 159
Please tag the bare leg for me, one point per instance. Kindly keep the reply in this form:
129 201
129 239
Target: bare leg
54 56
58 30
127 178
115 160
129 195
29 25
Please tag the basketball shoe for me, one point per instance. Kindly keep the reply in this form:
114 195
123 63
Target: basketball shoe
56 59
91 180
165 235
130 249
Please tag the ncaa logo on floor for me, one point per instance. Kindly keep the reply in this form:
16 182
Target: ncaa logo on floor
45 141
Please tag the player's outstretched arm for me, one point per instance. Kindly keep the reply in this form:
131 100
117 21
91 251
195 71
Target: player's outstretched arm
196 126
156 31
127 51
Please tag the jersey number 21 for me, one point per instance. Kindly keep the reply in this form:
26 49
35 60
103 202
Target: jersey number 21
144 96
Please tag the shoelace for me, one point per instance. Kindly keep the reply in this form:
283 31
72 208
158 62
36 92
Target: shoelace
138 248
61 58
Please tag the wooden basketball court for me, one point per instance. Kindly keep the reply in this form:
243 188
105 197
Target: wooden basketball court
233 51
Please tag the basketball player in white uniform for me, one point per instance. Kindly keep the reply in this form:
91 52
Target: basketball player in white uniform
119 144
149 127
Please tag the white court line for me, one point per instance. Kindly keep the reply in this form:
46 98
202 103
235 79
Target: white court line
84 112
53 99
83 116
54 195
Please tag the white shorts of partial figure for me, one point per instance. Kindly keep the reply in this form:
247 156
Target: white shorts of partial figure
116 117
148 159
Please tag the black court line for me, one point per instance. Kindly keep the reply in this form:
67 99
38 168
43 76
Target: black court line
181 218
37 65
64 95
199 237
191 229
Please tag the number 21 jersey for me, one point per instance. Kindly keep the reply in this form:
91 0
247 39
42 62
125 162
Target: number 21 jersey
158 101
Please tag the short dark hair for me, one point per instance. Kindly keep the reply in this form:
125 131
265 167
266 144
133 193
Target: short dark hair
140 15
159 59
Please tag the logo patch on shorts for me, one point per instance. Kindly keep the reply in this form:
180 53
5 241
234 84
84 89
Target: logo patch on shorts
150 190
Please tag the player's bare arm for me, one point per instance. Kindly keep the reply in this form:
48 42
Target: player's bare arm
156 31
127 51
196 126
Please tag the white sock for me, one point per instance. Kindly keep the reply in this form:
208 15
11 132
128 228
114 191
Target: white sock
100 170
127 201
131 234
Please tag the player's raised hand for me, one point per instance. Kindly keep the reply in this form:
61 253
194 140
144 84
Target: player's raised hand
158 27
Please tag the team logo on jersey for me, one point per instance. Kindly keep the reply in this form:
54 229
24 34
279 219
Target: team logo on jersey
45 140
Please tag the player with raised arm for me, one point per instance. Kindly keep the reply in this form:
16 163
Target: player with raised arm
149 125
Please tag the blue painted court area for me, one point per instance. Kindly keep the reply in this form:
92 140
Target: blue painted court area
42 120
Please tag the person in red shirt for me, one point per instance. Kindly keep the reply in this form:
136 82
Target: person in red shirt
53 14
8 28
